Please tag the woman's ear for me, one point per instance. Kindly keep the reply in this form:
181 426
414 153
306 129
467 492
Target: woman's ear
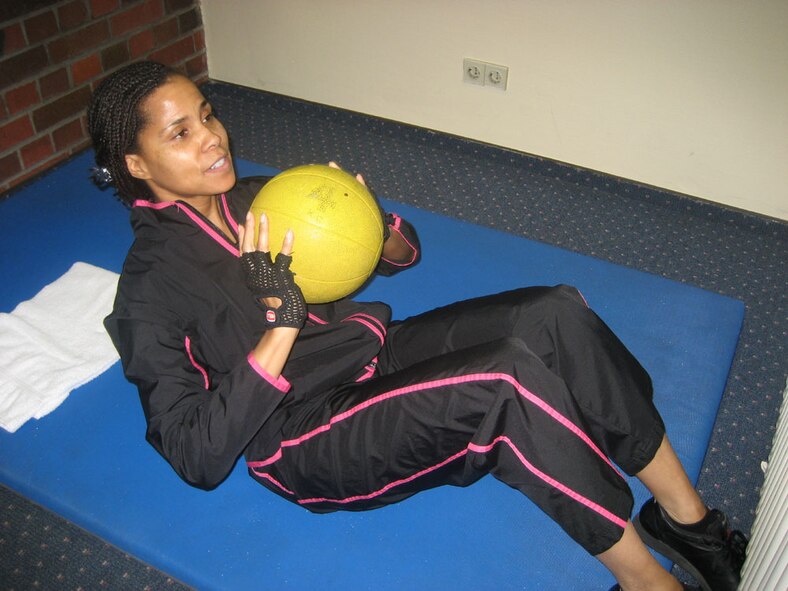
136 166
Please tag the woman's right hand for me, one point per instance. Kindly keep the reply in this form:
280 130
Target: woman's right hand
271 281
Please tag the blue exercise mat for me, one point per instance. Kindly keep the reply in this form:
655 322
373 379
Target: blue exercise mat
89 462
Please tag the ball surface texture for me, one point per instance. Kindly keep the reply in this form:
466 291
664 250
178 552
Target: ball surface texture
336 223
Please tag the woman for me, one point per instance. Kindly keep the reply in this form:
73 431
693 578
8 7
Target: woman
334 406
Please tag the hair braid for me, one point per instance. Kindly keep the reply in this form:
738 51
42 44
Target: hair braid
115 119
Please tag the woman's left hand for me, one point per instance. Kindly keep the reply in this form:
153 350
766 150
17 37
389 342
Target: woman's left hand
359 178
271 281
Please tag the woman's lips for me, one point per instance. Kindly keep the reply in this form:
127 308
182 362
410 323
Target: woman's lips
220 165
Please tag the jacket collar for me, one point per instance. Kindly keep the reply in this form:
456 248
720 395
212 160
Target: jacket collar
150 218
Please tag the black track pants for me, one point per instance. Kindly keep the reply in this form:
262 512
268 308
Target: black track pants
529 386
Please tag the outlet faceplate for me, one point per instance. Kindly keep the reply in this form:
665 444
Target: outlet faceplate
484 74
473 71
497 76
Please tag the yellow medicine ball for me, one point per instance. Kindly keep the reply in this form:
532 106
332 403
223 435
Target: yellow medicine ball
337 226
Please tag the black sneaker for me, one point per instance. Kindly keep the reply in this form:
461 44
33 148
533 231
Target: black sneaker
713 557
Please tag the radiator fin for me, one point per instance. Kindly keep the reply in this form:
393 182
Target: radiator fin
766 567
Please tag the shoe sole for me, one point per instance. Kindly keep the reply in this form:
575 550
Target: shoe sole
669 553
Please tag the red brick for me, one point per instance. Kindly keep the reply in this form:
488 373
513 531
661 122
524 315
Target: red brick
9 166
166 31
189 21
14 9
22 66
137 16
101 7
13 39
197 66
68 134
199 40
180 68
115 55
85 69
178 5
21 98
175 53
72 14
41 27
95 83
15 132
140 44
62 109
54 83
81 144
79 41
36 151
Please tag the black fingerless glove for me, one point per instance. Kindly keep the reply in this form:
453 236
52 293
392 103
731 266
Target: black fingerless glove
274 279
388 221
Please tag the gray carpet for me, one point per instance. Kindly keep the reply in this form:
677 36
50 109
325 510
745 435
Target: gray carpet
730 252
39 550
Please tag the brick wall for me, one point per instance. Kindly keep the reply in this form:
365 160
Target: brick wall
54 53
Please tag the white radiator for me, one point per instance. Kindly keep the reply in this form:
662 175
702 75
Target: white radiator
766 566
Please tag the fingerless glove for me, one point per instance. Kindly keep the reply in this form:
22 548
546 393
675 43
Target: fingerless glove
268 278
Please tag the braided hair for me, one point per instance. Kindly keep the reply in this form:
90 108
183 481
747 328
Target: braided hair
115 119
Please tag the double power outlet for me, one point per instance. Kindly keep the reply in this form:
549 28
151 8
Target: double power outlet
484 74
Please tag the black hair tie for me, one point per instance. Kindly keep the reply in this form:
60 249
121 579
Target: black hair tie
101 176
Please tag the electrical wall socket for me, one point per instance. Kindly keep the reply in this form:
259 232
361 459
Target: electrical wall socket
496 76
484 74
473 71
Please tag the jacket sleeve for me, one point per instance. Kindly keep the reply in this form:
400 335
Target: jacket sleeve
199 428
408 232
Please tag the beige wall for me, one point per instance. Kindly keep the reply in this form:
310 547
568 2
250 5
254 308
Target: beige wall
689 95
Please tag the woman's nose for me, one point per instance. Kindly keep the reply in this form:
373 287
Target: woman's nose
211 138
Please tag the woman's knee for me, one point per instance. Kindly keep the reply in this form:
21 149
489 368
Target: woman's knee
563 298
551 307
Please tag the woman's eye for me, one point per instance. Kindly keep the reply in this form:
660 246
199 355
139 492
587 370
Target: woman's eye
208 118
181 134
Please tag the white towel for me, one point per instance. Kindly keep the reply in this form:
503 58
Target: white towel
54 343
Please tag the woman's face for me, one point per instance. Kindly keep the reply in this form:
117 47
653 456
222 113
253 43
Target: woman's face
183 149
